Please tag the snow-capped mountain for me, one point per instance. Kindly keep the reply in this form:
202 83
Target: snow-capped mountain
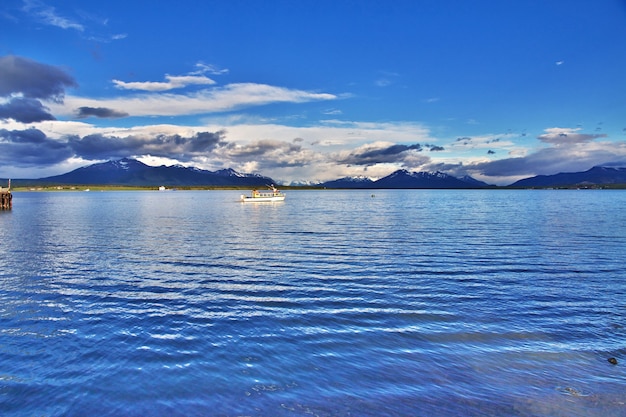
131 172
405 179
349 182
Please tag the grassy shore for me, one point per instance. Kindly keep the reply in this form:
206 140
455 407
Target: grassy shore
73 188
135 188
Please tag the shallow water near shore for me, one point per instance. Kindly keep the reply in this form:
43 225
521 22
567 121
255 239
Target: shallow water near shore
332 303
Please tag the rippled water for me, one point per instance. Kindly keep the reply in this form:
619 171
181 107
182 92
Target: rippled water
333 303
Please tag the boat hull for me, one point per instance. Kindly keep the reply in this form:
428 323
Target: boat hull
268 196
245 199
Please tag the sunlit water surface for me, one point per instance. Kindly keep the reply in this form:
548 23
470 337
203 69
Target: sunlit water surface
332 303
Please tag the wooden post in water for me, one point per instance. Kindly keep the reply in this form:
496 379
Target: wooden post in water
6 198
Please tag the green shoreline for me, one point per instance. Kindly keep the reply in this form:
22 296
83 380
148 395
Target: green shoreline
75 188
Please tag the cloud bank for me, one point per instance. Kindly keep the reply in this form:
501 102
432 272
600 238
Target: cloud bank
32 79
214 100
33 100
24 83
25 110
171 83
102 112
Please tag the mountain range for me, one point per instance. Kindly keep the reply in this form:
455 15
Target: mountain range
405 179
598 175
130 172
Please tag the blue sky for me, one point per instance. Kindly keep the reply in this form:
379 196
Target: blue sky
314 90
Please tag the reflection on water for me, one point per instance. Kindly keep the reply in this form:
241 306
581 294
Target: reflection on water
411 302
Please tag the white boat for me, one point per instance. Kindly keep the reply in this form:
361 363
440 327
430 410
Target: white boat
271 195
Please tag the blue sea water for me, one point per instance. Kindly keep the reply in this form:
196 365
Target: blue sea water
332 303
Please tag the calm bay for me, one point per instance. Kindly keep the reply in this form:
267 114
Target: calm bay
332 303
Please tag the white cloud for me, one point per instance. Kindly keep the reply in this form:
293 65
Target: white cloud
172 82
328 137
49 15
387 78
565 135
203 68
220 99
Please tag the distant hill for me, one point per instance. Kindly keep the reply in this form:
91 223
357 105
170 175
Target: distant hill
130 172
405 179
349 182
599 175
